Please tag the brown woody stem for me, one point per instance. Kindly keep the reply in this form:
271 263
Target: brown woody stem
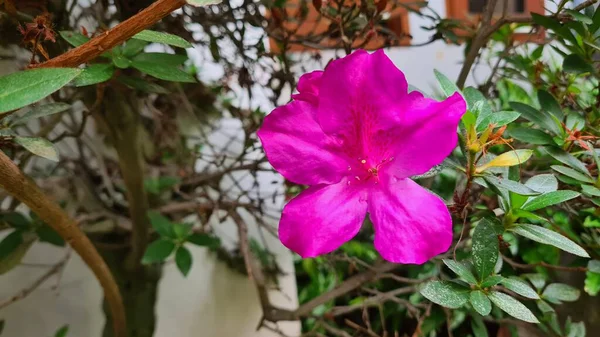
17 184
115 36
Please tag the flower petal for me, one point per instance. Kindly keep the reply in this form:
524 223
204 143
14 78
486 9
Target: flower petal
308 86
297 147
360 87
322 218
412 225
427 135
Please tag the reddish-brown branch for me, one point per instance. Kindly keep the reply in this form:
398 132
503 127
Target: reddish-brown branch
17 184
518 265
115 36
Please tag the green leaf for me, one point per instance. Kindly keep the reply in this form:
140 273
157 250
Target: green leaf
549 104
12 250
38 146
579 16
569 172
158 251
75 39
95 73
15 220
520 287
510 185
477 103
160 37
183 259
491 281
567 159
25 87
10 243
561 292
510 158
133 47
161 58
574 63
160 71
62 332
478 327
461 270
549 237
502 118
480 302
200 3
538 280
46 234
512 307
530 136
549 199
182 230
39 111
446 294
592 283
590 190
448 87
543 183
204 240
161 224
594 266
121 61
539 118
139 84
485 248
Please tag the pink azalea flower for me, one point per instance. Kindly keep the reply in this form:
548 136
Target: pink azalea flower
355 135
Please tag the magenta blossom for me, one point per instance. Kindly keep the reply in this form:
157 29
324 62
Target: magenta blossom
355 135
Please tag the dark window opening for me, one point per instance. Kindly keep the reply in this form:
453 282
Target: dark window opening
514 6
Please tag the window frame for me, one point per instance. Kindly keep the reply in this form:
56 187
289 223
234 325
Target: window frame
459 10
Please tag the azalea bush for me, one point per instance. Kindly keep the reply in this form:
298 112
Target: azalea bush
470 210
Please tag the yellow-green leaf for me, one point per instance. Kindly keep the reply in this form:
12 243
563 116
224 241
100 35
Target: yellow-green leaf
510 158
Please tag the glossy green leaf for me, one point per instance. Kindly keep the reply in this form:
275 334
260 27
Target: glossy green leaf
183 260
549 199
25 87
37 112
158 251
501 118
539 118
448 87
161 58
491 281
38 146
139 84
75 39
446 294
569 172
590 190
485 248
579 16
561 292
574 63
520 287
512 307
543 183
480 302
121 61
461 270
161 37
530 136
567 159
510 185
94 73
549 237
161 224
46 234
133 47
160 71
204 240
549 104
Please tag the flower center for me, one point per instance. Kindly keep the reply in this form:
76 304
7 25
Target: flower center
364 171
